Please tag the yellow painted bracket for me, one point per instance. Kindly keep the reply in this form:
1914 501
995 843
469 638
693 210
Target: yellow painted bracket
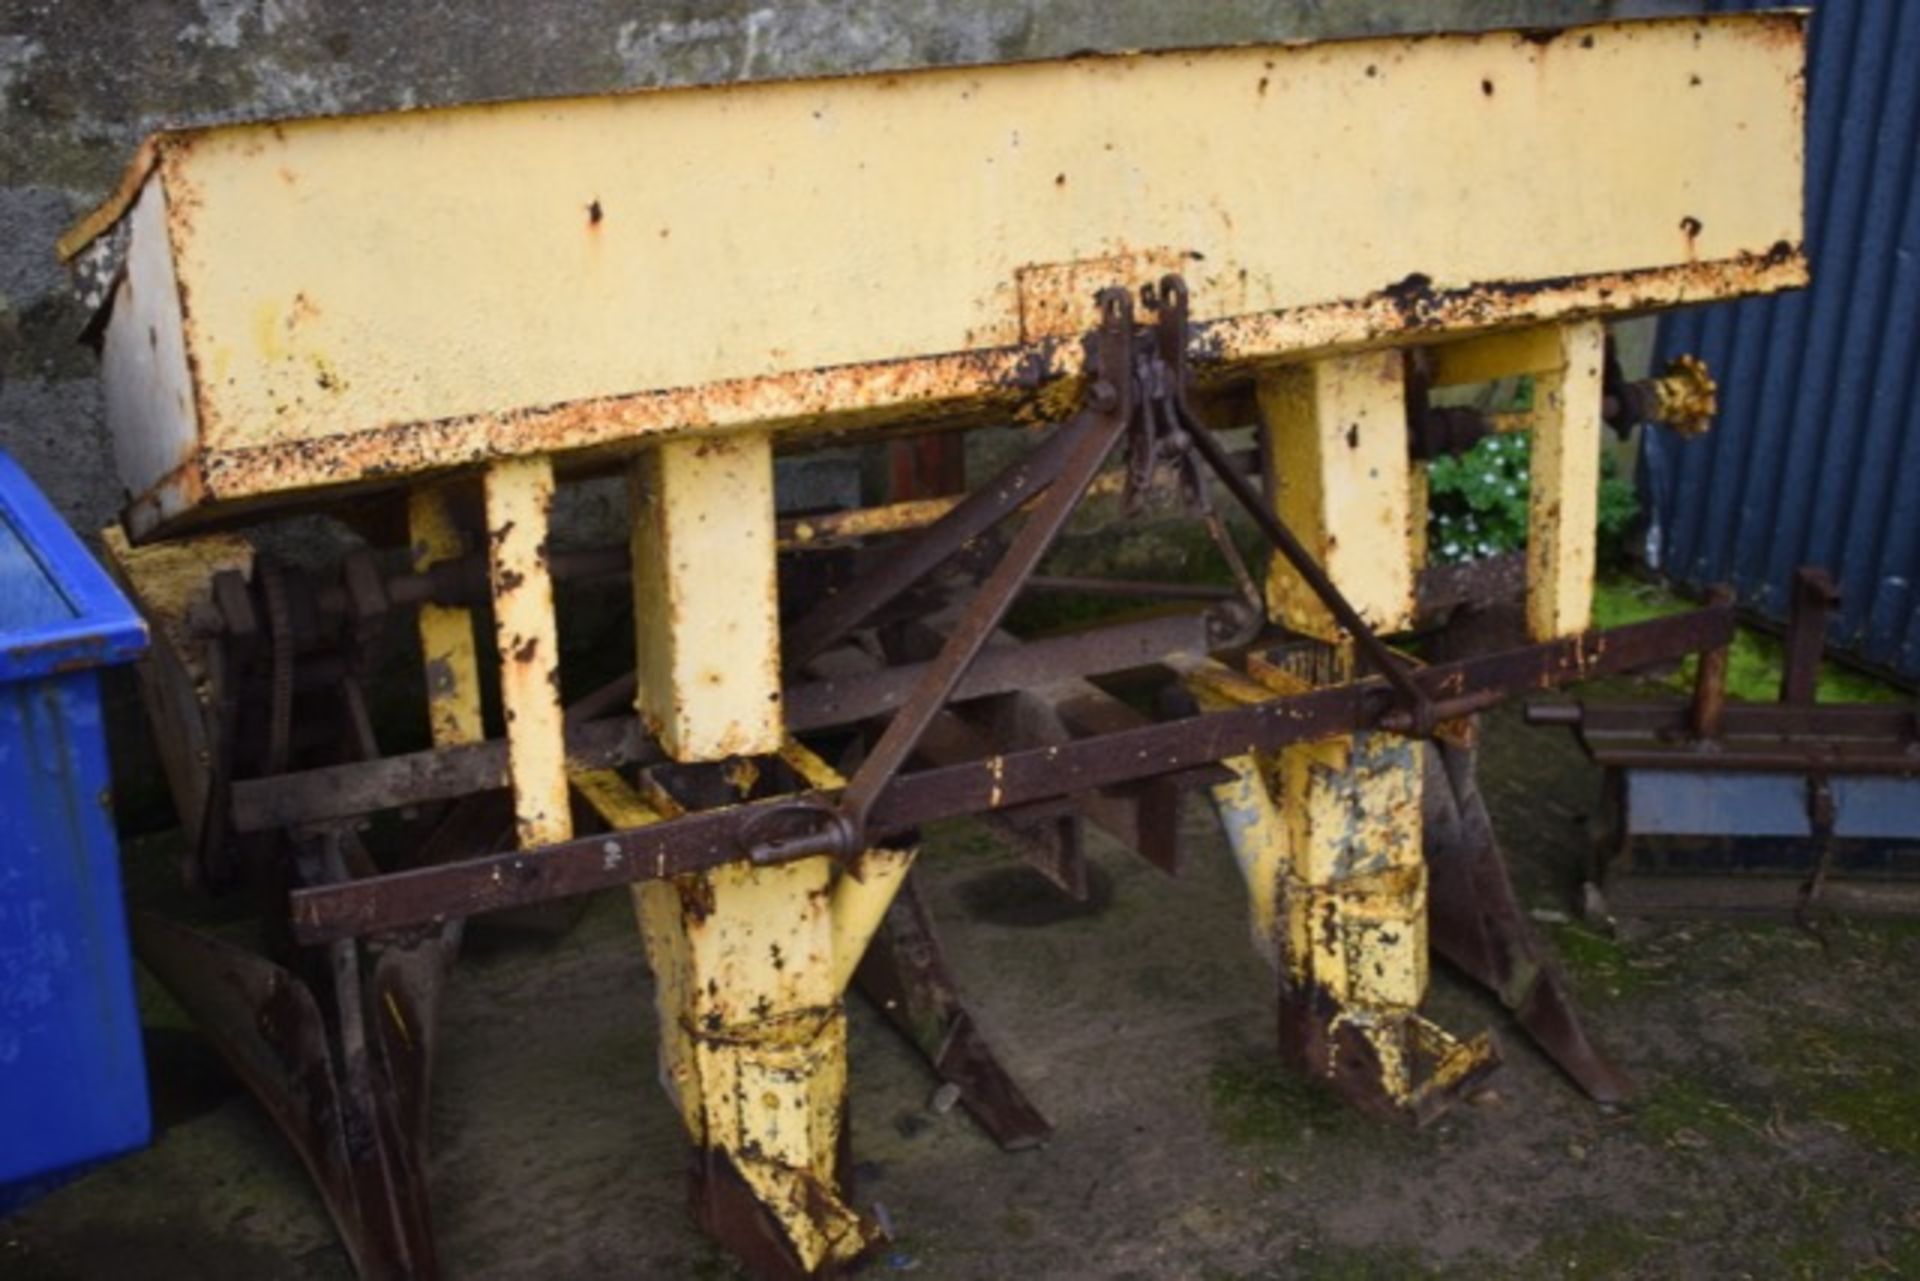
750 966
1328 838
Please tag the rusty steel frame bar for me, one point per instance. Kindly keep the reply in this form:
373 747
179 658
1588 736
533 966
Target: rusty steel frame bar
1092 434
1814 596
844 528
1752 738
974 515
1487 581
1418 706
364 787
710 838
1475 923
1795 735
905 973
1129 588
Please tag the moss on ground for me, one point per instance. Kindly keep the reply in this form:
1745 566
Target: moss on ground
1683 1113
1259 1102
1331 1262
1598 964
1608 1246
1860 1076
1755 661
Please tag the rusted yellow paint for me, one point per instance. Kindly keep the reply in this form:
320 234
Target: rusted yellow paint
1563 502
750 967
860 898
1338 475
614 799
447 649
170 582
1419 512
1489 357
1256 833
832 529
706 608
366 297
1328 838
519 497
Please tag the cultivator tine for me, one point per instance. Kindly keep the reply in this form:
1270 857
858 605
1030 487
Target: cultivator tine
1475 924
905 974
343 1114
407 982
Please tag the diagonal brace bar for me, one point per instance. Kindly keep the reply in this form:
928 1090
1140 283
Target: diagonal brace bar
981 510
1287 545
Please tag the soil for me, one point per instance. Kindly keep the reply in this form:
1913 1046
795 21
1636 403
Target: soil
1777 1132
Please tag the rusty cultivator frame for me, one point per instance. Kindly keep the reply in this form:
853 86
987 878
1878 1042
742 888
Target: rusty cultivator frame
349 314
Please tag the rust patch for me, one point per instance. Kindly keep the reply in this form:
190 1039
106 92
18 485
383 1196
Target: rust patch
696 897
1031 380
1056 299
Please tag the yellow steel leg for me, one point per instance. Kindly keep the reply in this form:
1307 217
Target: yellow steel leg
1336 434
705 605
751 965
1568 364
446 634
1563 508
519 496
1328 837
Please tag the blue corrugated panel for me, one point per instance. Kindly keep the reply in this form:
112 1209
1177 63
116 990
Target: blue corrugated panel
1815 458
72 1081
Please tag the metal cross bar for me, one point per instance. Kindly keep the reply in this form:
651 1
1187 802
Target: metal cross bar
364 787
1378 655
713 837
1092 434
980 511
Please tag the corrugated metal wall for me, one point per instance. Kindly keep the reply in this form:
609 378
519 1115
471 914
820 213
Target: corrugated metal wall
1815 458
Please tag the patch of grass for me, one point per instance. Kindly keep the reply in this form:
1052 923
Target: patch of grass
1597 963
1323 1261
1812 1258
1682 1113
1903 1257
1861 1078
1601 1247
1883 1108
1754 663
1261 1103
1619 601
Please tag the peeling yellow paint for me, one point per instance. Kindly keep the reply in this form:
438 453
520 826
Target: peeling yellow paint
1338 475
706 611
448 652
519 498
708 259
750 968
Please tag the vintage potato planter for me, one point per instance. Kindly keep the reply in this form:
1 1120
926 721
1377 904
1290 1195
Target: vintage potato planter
437 318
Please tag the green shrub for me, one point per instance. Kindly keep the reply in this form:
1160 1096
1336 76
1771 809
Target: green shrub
1477 503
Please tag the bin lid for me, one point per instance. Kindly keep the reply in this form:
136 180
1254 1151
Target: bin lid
58 609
